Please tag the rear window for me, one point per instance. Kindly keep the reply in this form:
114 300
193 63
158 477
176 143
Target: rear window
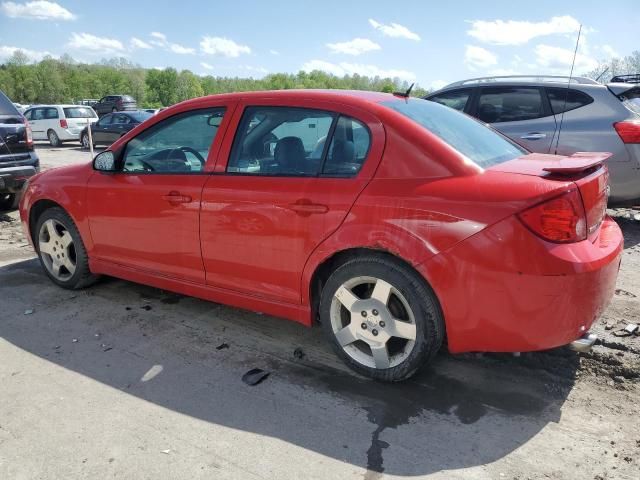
127 98
6 107
79 112
631 100
475 141
140 116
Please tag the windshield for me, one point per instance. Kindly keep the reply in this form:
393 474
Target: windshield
471 138
79 112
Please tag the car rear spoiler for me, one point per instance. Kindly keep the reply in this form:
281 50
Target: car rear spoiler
578 162
619 89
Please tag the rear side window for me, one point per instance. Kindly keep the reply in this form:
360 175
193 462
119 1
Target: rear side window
509 104
565 99
457 99
348 149
79 112
287 141
472 139
631 100
127 98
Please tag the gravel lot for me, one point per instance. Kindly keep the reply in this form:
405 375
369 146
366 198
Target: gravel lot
126 381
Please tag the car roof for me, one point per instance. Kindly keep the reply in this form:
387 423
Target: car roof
361 98
511 82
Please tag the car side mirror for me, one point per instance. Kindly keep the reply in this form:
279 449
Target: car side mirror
105 162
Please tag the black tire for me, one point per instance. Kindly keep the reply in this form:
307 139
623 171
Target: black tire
9 201
84 141
429 323
54 140
82 276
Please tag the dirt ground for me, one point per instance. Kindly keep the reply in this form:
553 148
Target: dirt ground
126 381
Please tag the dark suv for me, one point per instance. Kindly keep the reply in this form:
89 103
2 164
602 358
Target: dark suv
115 103
18 160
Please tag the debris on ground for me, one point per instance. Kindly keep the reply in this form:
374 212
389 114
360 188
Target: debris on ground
74 340
631 328
299 354
254 376
146 307
222 346
29 311
167 451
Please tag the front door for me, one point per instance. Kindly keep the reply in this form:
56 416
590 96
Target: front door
291 177
99 129
147 215
520 113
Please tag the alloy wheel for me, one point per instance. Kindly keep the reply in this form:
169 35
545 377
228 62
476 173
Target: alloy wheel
57 249
373 322
53 138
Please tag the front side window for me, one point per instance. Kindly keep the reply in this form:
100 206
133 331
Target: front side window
28 114
509 104
121 119
475 141
106 120
565 99
38 114
179 144
456 99
284 141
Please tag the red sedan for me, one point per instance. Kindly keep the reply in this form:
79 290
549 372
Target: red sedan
395 223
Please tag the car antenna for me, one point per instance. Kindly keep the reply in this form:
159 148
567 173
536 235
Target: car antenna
566 95
603 72
404 94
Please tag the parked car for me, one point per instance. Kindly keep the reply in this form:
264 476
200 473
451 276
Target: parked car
530 110
18 159
412 223
113 126
89 102
59 123
114 103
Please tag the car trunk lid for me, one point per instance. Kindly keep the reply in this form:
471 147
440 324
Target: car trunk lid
13 138
585 169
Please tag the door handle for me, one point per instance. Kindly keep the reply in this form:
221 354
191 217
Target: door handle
305 207
176 198
533 136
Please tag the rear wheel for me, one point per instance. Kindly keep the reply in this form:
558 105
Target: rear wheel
381 318
84 141
61 250
54 140
8 201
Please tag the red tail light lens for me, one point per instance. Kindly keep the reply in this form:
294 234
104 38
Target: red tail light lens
28 133
560 220
629 131
63 123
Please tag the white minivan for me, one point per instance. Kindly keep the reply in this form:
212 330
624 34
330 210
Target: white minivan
59 123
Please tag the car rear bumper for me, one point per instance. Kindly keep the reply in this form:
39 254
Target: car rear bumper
505 290
13 173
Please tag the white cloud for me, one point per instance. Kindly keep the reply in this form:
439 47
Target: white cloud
181 50
609 51
438 84
137 43
158 39
92 43
6 51
40 10
558 60
357 46
514 32
274 52
478 57
206 65
394 30
222 46
346 68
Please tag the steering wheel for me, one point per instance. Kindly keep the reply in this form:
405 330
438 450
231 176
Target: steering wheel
194 151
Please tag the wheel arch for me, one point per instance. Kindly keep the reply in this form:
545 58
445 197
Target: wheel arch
330 263
36 210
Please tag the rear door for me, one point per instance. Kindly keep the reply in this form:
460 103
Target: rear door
520 112
287 182
51 120
119 126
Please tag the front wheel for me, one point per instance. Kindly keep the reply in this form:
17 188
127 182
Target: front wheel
61 250
381 317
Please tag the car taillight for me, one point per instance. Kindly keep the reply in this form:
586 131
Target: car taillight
28 133
629 131
63 123
561 219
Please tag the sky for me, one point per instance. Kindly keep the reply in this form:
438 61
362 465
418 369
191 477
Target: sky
432 43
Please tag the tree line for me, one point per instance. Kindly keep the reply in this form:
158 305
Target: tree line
64 80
